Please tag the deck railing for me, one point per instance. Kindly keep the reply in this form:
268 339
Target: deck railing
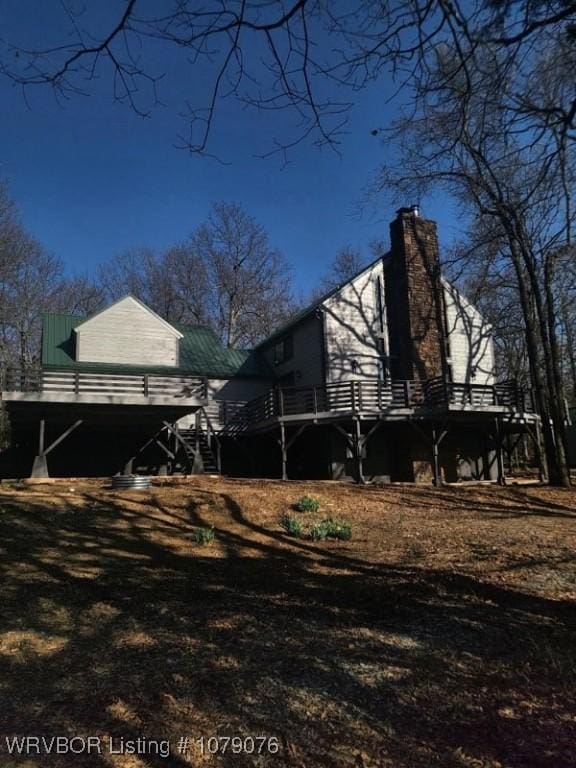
79 383
371 397
359 396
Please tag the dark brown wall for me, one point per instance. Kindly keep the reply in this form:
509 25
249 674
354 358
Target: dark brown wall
414 299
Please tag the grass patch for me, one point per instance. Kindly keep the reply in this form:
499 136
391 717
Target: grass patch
307 504
203 535
331 529
292 526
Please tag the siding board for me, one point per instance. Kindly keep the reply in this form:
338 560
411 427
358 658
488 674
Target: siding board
353 343
470 340
127 333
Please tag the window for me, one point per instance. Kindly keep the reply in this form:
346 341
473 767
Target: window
283 350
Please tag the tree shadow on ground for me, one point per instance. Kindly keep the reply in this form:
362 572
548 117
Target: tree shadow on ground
518 502
114 622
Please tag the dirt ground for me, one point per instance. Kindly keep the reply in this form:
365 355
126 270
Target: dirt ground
442 634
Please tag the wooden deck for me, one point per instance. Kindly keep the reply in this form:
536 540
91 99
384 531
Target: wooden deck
74 387
373 400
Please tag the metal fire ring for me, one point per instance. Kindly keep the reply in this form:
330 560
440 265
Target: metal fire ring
131 482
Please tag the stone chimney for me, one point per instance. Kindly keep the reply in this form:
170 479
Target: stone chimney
414 299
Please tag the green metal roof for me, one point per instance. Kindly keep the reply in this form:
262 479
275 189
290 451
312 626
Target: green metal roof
201 353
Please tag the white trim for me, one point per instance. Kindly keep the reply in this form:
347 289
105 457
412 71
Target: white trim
139 303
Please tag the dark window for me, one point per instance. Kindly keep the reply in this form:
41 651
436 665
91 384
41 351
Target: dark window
283 350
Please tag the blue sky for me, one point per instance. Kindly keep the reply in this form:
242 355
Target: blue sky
92 178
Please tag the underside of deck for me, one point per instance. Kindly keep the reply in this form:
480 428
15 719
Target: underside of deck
360 429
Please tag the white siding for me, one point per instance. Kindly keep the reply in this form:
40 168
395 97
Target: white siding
306 362
470 340
127 332
353 326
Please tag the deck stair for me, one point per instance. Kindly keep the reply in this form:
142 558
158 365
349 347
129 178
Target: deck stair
193 439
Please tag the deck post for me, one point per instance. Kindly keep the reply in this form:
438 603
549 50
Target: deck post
499 452
437 476
218 456
40 465
284 451
197 428
41 437
358 446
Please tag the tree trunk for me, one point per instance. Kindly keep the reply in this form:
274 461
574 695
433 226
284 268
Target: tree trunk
548 399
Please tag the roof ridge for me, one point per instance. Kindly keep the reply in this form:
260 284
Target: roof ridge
301 314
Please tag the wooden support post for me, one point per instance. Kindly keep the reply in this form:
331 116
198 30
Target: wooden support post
499 452
295 437
41 437
437 476
63 436
358 446
40 466
198 427
166 450
284 451
218 457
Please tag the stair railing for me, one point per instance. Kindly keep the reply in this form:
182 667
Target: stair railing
211 435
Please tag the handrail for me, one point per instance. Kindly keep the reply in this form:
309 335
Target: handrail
94 383
211 436
369 396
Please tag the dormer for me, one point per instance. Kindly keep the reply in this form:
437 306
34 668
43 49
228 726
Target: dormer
127 333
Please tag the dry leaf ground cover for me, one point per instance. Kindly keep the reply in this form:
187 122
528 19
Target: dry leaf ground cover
442 634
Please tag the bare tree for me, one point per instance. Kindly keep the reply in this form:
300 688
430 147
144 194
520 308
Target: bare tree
347 263
226 276
248 282
279 56
518 186
32 283
79 295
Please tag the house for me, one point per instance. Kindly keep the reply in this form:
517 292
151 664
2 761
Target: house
388 377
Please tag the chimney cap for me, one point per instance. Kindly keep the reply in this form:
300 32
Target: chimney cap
412 210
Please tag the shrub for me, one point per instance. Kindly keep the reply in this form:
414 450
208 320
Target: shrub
318 532
331 529
203 535
307 504
338 529
292 525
